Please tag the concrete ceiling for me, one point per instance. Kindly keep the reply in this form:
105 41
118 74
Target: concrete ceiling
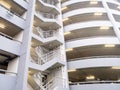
15 7
89 51
84 18
40 7
102 73
6 56
49 45
10 29
81 5
88 32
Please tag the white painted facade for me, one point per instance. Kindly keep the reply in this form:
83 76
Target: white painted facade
42 40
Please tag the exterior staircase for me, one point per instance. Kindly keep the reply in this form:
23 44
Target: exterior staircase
48 60
52 84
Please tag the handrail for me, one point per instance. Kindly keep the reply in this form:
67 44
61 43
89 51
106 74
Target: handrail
49 2
91 57
5 71
8 37
90 37
12 12
93 82
50 55
46 15
45 34
44 58
52 83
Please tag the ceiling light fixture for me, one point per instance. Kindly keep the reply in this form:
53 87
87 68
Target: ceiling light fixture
66 33
104 27
98 13
2 26
65 19
93 2
90 77
69 49
109 45
64 8
116 67
118 7
72 70
5 4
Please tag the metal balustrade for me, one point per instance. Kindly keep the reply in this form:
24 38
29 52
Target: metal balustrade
2 71
91 37
8 37
95 82
44 58
51 84
49 2
11 13
56 81
92 57
46 15
45 34
38 79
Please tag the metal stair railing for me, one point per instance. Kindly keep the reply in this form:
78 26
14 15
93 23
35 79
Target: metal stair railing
41 57
39 31
56 81
49 2
38 51
45 34
51 55
45 15
44 58
39 77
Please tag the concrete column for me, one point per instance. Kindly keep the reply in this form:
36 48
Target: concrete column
64 68
25 49
111 18
13 66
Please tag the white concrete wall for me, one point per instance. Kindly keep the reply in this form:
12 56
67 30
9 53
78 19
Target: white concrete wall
92 41
95 87
29 87
19 36
10 45
7 82
94 62
54 73
12 18
13 66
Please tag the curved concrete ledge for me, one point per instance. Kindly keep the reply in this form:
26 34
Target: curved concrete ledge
94 62
69 2
84 11
92 41
50 6
95 87
87 24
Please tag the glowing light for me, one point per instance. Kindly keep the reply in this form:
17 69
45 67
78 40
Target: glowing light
70 49
2 26
5 4
64 8
116 67
73 70
65 19
109 45
90 77
105 27
98 13
66 33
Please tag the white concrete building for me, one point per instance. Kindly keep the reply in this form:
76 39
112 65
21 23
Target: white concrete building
92 38
59 44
